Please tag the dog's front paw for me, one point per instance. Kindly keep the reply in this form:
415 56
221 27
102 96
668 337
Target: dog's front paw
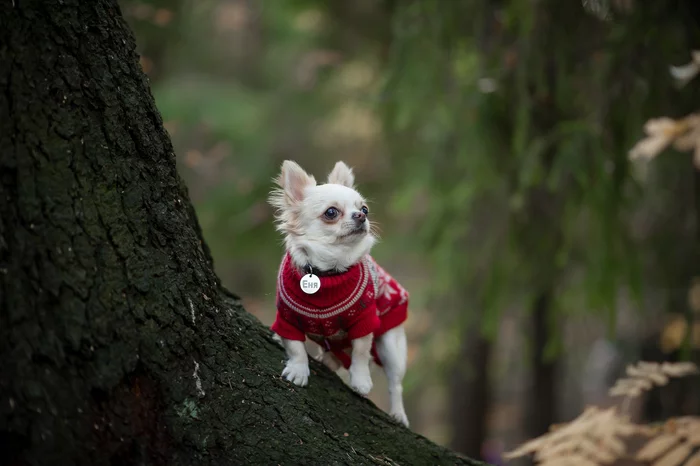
297 373
400 417
360 380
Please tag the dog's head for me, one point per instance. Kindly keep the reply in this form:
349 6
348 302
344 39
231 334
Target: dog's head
326 225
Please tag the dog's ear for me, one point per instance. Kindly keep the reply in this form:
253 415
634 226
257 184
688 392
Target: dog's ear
342 174
292 180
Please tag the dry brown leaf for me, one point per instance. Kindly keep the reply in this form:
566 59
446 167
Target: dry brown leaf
561 449
666 127
631 387
675 456
631 392
597 436
593 436
679 369
614 444
572 460
657 446
644 375
693 460
658 379
688 140
687 427
684 134
648 431
693 438
594 451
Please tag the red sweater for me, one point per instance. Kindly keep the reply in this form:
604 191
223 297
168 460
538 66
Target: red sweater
363 300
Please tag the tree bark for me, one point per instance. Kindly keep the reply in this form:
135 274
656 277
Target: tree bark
117 343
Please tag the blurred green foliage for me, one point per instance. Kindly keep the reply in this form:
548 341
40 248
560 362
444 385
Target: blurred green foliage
235 112
515 119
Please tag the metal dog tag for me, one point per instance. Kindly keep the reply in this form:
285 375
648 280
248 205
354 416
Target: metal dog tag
310 283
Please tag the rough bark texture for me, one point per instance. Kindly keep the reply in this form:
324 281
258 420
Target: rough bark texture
117 343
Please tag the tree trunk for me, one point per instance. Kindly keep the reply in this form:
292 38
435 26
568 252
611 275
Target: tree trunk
542 405
117 343
470 394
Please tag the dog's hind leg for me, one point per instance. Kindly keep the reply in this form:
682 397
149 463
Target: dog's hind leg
392 351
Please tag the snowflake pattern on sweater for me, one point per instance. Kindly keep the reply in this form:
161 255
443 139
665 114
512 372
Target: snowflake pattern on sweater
365 299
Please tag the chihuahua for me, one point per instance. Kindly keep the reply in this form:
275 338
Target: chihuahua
330 289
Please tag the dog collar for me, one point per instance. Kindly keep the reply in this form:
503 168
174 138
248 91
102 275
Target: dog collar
311 270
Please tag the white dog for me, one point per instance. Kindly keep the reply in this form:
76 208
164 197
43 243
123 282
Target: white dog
330 289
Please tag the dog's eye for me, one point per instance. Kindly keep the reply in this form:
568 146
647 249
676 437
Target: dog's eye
331 213
365 210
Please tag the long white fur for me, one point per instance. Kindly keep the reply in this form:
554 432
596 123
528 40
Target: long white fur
393 352
299 204
360 379
297 368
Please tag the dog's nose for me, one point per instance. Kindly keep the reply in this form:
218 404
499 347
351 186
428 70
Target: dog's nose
359 217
